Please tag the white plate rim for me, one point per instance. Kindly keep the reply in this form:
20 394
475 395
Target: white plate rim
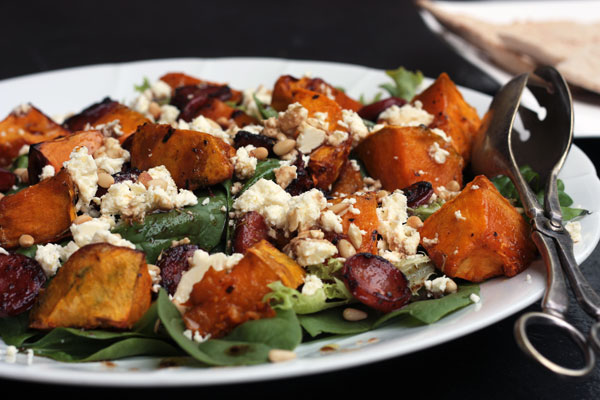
46 371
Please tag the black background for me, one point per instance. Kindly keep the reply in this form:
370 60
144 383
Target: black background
42 36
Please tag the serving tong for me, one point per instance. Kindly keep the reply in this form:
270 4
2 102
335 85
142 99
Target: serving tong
496 152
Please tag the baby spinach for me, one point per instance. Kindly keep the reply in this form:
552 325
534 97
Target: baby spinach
203 224
264 170
405 83
265 111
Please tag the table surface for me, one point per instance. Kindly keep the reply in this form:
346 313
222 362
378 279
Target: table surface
381 34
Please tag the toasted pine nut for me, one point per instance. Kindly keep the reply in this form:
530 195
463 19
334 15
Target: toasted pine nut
81 219
144 178
284 147
154 109
381 194
453 186
354 235
153 269
105 180
278 355
414 222
339 207
352 314
451 287
345 248
1 196
161 183
26 240
22 174
260 153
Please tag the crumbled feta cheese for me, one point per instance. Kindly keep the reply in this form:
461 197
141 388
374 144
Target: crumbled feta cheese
437 287
392 224
312 284
207 125
474 187
332 222
319 120
311 251
437 153
291 119
200 262
21 110
442 134
263 95
337 138
459 216
110 157
309 138
356 126
110 129
430 242
160 90
474 298
24 150
142 103
49 257
244 163
285 174
11 354
47 172
268 199
574 229
305 210
83 171
168 114
407 115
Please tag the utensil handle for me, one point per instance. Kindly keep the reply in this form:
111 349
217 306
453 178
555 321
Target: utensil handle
528 348
556 298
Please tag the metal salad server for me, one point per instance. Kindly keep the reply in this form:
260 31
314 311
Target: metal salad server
493 154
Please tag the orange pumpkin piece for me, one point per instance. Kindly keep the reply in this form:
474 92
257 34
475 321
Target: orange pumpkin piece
367 221
326 163
100 286
223 300
56 152
194 159
105 112
25 125
478 235
451 112
401 156
27 212
349 181
221 112
286 84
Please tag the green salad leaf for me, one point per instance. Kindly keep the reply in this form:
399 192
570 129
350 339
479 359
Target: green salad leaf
405 83
508 190
264 170
143 86
202 224
265 111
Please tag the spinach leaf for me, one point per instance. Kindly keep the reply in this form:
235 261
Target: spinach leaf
508 190
202 224
15 330
425 211
366 102
405 83
264 169
423 312
247 344
265 111
143 87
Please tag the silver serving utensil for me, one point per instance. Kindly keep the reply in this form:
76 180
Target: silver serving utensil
496 152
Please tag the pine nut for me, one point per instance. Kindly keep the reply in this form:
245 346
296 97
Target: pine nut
26 240
81 219
144 178
381 194
453 186
278 355
260 153
161 183
345 248
22 174
284 147
154 110
105 180
451 287
414 222
153 269
352 314
354 235
339 207
1 196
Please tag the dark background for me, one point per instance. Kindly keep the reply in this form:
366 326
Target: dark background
42 36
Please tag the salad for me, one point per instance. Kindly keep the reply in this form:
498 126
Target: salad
231 226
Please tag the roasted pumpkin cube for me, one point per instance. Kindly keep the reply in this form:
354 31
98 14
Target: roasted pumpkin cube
326 163
104 112
366 220
451 112
478 235
221 112
44 211
56 152
100 286
349 181
25 125
401 156
194 159
282 92
223 300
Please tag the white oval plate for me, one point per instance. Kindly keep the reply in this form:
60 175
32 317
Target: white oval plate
73 89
